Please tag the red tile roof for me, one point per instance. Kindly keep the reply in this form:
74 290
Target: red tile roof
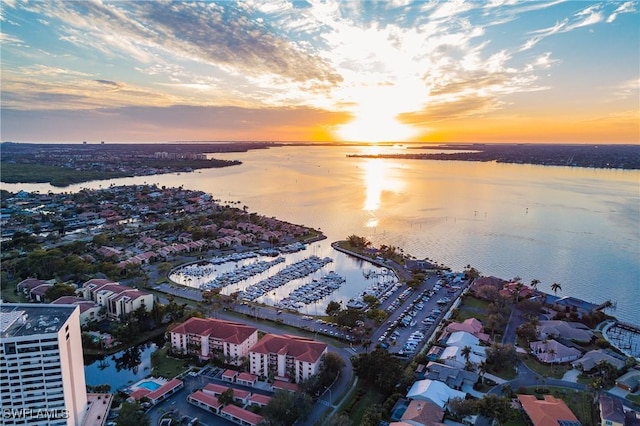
31 283
214 388
210 400
243 414
85 305
279 384
97 281
139 393
230 374
547 412
301 348
167 387
260 399
228 331
247 377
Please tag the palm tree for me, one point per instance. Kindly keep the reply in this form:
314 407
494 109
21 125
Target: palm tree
555 287
482 370
534 283
466 353
518 288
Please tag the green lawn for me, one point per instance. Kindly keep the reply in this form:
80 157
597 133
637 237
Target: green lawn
472 307
579 402
544 370
359 401
164 366
518 420
9 295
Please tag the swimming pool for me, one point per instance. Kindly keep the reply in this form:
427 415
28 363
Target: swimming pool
148 384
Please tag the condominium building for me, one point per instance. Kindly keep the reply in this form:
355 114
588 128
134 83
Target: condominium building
41 367
118 299
208 337
286 357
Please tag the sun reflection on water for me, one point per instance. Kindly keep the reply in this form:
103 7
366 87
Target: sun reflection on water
378 179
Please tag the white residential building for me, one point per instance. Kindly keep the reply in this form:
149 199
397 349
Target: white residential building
286 357
41 367
118 299
434 391
206 337
89 310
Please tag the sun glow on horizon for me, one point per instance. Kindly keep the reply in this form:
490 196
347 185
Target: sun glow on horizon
376 110
375 126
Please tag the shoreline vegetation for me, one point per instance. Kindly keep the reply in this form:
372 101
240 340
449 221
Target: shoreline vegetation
626 157
62 165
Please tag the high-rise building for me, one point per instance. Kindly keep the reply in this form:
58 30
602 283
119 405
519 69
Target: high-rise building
41 367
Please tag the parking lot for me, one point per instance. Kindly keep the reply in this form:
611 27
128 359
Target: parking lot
415 314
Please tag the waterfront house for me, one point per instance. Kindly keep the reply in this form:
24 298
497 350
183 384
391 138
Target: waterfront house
208 337
591 359
494 282
286 357
553 352
549 411
576 331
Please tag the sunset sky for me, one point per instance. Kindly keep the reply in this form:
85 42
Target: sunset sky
454 71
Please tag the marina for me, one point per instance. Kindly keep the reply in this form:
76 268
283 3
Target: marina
241 274
291 272
312 292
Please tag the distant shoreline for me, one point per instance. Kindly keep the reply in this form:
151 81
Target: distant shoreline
623 157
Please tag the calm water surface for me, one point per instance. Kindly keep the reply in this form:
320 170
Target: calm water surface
578 227
122 368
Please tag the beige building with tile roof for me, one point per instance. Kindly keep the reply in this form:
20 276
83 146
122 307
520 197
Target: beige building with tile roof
206 337
286 357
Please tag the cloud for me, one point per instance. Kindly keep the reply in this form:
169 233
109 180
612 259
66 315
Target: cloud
216 34
178 122
626 7
591 15
108 83
452 109
9 39
40 87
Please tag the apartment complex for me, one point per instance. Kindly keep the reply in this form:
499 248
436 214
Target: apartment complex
208 337
118 299
286 357
41 367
